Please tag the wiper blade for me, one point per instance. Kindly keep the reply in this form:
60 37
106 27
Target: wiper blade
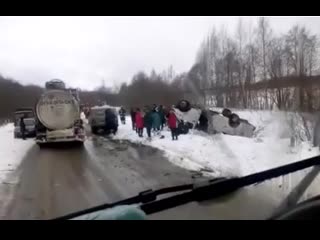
199 192
142 197
219 188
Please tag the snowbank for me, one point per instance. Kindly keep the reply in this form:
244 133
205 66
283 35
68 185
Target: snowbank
191 151
12 150
225 155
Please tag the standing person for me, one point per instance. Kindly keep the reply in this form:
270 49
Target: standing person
154 107
172 123
22 128
162 117
203 121
139 122
111 122
133 119
148 120
122 113
156 120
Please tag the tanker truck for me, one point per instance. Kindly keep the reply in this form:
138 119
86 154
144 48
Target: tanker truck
58 115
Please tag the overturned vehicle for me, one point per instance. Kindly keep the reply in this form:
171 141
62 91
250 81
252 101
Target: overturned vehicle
211 121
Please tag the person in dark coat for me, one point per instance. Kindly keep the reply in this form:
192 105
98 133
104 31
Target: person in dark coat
122 113
147 120
162 117
203 121
154 106
22 128
172 123
139 122
133 118
111 122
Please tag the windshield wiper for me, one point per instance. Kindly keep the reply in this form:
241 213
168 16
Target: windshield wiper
199 191
142 197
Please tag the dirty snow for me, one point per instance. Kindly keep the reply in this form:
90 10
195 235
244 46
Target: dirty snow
225 155
12 150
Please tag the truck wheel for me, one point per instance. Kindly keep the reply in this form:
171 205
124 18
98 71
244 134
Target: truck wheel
41 145
80 144
234 120
226 112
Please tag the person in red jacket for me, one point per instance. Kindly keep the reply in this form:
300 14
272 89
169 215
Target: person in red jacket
172 124
139 122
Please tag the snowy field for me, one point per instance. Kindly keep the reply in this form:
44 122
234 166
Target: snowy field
225 155
12 150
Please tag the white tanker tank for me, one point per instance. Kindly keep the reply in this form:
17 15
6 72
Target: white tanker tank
58 115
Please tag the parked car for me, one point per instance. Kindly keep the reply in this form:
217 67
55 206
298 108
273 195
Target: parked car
103 118
29 120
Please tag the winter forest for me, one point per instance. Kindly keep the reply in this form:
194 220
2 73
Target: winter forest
258 69
252 67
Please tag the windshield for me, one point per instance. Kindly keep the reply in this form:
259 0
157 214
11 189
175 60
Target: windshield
29 121
26 114
98 112
164 101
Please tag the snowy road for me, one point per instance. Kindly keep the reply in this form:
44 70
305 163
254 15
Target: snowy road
53 182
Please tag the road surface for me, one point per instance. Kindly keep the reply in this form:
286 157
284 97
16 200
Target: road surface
56 181
53 182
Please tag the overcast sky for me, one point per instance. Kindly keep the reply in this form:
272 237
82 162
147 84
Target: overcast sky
84 50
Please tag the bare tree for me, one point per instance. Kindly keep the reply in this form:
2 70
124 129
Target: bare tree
264 33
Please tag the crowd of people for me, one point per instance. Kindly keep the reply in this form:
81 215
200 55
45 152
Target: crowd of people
153 118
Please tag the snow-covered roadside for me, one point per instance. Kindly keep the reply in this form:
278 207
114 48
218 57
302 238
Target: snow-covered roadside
193 151
12 150
224 155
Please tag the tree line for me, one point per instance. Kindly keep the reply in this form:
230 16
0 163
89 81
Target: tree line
149 89
143 90
231 68
251 68
14 95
